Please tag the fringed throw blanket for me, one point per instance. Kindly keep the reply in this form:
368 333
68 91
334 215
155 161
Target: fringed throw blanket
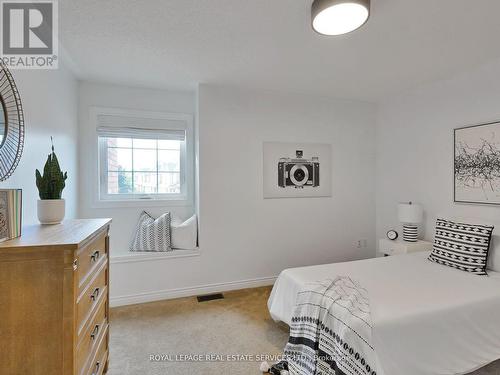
330 332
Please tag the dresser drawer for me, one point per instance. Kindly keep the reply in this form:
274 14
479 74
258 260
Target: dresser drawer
89 258
91 335
90 298
98 361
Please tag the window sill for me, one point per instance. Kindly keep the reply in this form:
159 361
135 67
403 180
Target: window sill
142 203
147 256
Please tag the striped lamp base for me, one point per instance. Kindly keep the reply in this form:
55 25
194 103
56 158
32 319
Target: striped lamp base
410 232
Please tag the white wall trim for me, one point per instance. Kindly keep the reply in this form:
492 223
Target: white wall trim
190 291
147 256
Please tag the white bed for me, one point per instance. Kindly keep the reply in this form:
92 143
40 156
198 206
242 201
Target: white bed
427 318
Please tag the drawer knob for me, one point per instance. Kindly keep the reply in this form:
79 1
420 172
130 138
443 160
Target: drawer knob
95 255
94 333
96 368
94 294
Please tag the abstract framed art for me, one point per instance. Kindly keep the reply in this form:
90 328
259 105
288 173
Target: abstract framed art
477 164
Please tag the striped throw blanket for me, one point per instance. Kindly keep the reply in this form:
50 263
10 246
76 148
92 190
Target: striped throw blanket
330 332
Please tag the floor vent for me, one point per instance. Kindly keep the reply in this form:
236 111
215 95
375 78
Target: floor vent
210 297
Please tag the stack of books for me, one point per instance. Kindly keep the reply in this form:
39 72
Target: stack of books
10 213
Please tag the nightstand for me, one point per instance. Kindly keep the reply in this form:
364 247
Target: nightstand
387 247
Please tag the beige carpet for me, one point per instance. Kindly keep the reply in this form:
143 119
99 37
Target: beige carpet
237 325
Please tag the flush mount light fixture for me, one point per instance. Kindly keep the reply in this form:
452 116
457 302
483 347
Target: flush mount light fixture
337 17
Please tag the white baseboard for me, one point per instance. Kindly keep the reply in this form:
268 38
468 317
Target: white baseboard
188 292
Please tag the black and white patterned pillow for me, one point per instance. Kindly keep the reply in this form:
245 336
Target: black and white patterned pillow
152 234
462 246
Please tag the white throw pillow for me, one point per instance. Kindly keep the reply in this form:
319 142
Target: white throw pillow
184 234
494 254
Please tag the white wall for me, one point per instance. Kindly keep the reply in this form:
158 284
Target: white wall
104 95
415 145
49 99
244 239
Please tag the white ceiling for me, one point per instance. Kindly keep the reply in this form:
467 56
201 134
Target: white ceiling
270 44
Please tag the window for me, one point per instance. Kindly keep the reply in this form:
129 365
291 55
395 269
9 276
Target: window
139 158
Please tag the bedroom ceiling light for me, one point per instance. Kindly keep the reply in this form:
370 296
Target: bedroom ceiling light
337 17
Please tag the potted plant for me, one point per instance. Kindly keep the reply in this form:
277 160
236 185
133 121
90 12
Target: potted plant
51 207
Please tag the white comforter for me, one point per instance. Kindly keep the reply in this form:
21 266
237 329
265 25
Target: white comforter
427 318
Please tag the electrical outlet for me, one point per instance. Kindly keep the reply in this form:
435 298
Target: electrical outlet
361 244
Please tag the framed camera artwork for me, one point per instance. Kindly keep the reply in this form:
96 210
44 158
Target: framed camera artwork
297 170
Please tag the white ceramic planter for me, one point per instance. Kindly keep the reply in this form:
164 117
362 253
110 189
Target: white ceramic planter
51 211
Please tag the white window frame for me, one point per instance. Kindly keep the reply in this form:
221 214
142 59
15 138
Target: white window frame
179 121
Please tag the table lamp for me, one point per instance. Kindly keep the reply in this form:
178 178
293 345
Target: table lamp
410 215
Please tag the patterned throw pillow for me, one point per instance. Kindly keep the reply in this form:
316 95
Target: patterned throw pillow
152 234
462 246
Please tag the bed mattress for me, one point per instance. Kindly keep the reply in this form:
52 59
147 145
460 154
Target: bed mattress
427 318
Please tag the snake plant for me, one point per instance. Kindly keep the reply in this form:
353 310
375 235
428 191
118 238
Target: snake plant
52 183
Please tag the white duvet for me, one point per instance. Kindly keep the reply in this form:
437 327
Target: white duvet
427 318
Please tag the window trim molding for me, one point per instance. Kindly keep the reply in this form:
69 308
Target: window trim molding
186 199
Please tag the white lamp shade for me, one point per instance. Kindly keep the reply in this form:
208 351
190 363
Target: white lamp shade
410 213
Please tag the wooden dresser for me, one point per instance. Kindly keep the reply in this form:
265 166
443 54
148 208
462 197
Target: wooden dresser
54 292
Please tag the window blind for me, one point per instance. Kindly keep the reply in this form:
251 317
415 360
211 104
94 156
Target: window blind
140 128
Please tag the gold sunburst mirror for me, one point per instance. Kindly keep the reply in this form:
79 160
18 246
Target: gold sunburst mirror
11 124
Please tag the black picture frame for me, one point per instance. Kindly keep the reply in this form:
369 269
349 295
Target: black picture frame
465 171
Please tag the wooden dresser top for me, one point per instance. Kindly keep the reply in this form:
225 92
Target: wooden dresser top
69 234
